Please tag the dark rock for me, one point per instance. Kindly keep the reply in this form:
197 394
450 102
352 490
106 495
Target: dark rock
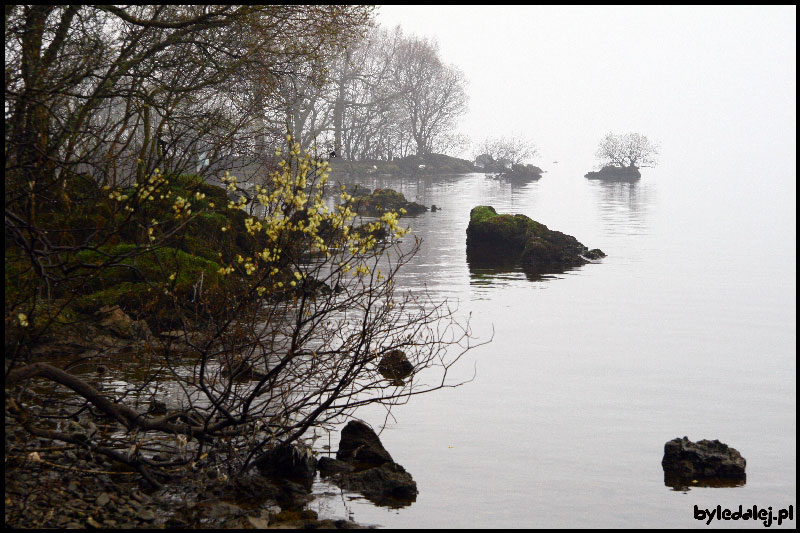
395 366
293 495
328 466
594 254
387 484
288 462
613 173
359 444
434 208
686 462
496 240
374 474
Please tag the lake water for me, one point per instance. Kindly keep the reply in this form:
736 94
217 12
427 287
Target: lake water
686 328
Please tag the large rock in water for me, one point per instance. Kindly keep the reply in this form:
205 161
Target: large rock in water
363 465
360 445
707 460
516 239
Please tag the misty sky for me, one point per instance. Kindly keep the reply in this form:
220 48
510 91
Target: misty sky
715 85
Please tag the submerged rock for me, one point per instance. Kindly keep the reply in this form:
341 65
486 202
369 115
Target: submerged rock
363 465
614 173
706 461
494 239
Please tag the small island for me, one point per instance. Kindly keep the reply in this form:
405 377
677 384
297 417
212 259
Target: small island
504 158
622 156
494 239
613 173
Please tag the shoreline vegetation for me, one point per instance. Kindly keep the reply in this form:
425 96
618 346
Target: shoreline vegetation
173 328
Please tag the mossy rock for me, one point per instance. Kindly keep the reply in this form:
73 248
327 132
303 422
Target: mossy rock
384 200
494 239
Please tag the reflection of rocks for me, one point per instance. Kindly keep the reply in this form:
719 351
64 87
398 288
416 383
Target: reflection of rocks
706 462
613 173
505 240
363 465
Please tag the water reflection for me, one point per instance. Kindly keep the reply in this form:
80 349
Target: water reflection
682 484
623 205
485 269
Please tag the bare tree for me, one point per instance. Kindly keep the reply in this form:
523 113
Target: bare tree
506 151
632 150
432 94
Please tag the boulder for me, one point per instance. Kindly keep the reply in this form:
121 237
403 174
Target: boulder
387 484
395 366
360 445
363 465
687 462
614 173
495 240
328 467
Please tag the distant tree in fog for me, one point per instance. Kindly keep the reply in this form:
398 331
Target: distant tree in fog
628 150
506 150
432 95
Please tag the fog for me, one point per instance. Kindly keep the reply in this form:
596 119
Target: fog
716 86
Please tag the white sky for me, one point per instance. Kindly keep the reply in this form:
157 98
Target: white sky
708 83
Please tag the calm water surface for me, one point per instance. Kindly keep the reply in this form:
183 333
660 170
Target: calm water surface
686 328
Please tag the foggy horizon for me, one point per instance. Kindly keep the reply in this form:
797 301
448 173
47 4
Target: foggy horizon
713 85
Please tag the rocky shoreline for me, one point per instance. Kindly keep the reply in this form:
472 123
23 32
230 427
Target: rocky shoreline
45 494
58 487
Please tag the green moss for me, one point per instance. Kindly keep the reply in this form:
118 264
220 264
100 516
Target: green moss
482 213
492 237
